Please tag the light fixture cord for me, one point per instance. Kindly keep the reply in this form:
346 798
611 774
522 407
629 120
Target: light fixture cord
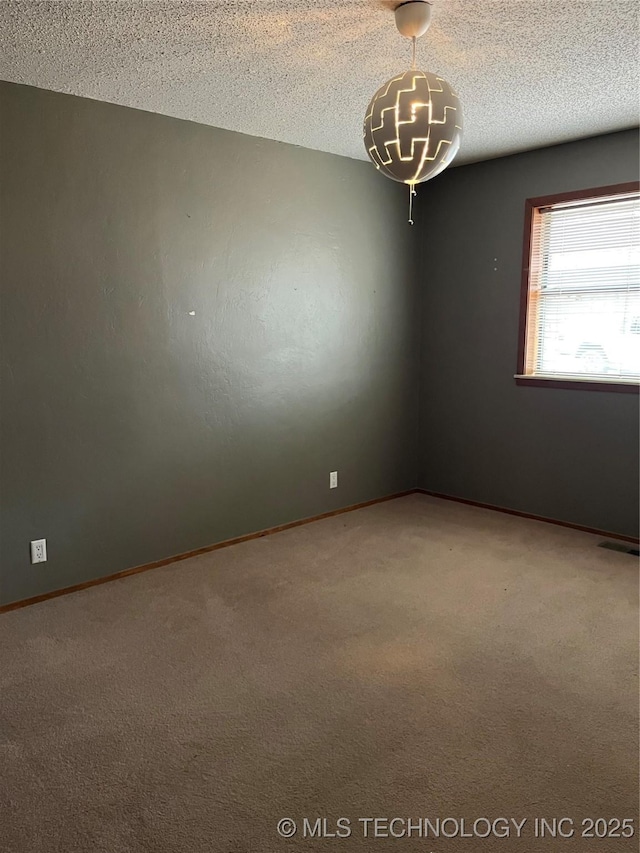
413 57
412 192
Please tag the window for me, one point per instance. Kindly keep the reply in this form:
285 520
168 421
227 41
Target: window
580 309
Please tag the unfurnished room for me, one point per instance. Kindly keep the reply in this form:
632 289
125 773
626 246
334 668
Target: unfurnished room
319 426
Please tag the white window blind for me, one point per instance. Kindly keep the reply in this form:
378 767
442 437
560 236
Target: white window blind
583 313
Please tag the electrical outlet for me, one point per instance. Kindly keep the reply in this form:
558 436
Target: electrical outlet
39 551
333 480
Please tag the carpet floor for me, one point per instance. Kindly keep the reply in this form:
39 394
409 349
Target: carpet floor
416 659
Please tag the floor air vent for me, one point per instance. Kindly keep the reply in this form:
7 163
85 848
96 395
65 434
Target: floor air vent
620 546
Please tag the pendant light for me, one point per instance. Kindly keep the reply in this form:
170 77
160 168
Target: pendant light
413 125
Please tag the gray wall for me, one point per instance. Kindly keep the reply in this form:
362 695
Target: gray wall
132 430
570 455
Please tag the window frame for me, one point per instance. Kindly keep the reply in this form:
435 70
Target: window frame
567 383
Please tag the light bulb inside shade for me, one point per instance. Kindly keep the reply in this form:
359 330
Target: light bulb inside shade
413 127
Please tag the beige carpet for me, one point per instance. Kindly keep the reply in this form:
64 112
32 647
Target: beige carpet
415 659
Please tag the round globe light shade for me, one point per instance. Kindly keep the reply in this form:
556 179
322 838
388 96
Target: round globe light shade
413 127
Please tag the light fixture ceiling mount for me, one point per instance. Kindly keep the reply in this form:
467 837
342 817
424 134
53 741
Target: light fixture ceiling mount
413 18
413 125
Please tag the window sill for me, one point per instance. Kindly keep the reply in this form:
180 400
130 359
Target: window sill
574 383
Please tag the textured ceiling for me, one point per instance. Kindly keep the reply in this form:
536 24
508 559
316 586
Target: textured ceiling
528 72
